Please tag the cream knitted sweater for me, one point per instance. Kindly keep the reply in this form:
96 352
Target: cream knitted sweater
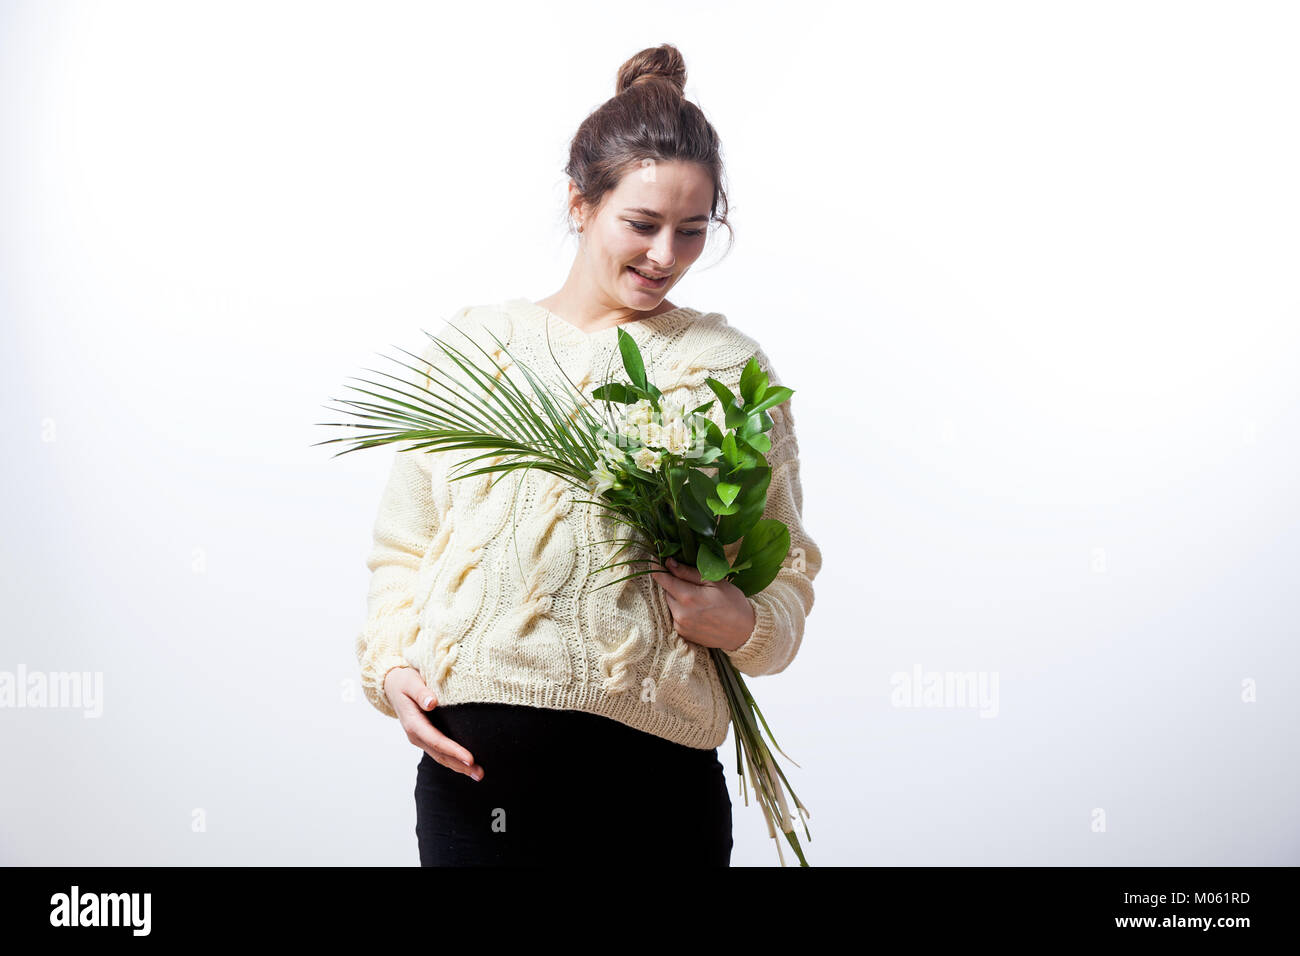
490 605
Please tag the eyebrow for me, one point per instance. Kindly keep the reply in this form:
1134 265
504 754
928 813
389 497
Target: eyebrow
651 214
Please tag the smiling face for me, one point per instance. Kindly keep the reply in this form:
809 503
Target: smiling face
655 222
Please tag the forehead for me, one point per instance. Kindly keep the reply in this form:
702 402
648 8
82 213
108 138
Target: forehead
673 187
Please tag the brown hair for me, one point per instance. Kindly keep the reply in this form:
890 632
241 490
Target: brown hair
648 118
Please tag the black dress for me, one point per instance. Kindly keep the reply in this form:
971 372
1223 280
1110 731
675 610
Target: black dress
565 787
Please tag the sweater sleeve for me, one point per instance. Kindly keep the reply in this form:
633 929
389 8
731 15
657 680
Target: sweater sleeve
782 608
403 530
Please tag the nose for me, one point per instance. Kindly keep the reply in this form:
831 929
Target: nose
661 252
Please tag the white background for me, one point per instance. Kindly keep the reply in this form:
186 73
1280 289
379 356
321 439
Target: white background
1031 268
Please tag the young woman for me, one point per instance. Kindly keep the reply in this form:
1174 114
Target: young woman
561 721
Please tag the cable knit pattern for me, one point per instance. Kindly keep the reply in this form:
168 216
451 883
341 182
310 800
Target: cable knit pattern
485 584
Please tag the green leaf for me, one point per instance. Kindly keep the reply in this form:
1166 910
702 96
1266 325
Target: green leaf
697 517
735 416
765 547
690 544
614 392
745 456
752 500
676 480
632 361
694 504
753 380
774 396
700 485
724 394
718 508
711 562
729 450
759 442
727 491
708 456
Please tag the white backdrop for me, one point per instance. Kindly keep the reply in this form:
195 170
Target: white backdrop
1031 268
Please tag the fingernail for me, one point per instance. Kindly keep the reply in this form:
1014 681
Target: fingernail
672 563
427 701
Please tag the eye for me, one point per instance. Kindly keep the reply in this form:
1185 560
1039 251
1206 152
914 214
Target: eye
650 227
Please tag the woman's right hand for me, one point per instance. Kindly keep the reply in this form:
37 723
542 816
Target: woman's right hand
406 693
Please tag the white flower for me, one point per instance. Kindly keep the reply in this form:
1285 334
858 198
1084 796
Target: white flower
646 460
611 452
676 437
602 479
652 434
630 430
673 413
639 413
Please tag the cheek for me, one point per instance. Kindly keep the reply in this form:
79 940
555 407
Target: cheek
621 248
622 254
687 254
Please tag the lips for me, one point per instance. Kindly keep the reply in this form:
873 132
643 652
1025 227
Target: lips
648 281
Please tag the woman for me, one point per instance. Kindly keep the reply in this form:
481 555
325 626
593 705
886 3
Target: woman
561 720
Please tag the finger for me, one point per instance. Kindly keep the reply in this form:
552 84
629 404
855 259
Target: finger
426 736
413 689
448 753
678 612
685 571
670 584
424 698
448 747
474 773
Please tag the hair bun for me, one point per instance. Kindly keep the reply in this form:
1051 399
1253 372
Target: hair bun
654 65
647 120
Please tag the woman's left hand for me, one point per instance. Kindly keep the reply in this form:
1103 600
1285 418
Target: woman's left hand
708 613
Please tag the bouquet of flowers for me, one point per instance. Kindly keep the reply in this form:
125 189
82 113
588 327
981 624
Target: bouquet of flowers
685 487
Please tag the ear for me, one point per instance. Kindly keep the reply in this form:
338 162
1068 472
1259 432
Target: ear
577 206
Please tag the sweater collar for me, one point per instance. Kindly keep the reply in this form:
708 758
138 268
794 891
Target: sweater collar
548 322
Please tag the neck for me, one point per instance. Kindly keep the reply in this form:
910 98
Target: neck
587 308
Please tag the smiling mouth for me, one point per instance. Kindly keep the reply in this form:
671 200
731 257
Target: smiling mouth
656 280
